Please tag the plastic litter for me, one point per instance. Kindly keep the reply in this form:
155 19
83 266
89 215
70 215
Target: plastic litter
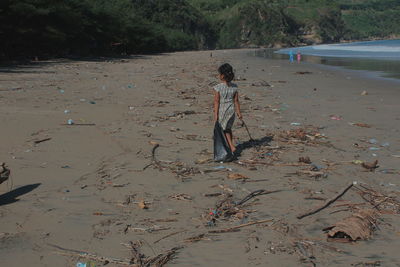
219 167
295 124
316 167
62 91
67 111
92 102
336 118
385 144
373 141
86 264
374 148
284 107
222 151
70 122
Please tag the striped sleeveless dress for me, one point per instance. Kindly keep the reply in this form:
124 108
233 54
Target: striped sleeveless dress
226 115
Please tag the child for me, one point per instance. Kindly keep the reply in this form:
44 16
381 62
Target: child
298 56
226 102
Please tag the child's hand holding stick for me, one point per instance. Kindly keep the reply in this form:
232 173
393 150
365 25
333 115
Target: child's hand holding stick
247 129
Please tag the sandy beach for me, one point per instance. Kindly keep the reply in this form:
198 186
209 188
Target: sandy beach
94 189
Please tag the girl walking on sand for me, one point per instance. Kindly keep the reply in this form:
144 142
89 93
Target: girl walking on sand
226 102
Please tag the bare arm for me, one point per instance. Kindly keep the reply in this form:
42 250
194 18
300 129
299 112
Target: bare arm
237 106
216 105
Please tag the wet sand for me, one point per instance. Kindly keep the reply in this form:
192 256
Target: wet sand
84 189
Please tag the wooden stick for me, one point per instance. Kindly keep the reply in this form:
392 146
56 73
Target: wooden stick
42 140
327 203
247 130
153 152
154 161
254 181
11 89
235 228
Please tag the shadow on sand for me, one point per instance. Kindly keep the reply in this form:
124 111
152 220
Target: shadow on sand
252 143
12 196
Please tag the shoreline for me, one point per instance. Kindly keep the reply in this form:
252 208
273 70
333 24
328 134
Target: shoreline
94 192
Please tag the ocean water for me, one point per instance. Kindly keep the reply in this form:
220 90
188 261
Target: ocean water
379 58
383 50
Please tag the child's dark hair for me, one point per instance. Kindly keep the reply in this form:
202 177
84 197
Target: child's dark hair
226 70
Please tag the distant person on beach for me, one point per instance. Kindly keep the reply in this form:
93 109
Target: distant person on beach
226 102
298 56
291 56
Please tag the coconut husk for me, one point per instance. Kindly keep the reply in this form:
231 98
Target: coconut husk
358 226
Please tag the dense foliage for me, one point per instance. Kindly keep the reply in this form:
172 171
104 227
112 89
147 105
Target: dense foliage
92 27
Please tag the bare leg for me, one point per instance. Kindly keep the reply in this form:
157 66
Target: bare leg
229 137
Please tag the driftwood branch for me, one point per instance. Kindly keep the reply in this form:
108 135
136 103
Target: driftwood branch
327 203
154 160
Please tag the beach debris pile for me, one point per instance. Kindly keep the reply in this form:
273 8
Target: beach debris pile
385 204
306 135
180 169
138 259
227 208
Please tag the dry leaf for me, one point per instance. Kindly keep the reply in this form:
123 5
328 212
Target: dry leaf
202 161
153 143
359 226
371 166
362 125
237 176
181 197
143 205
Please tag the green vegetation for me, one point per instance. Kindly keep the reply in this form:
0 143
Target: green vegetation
48 28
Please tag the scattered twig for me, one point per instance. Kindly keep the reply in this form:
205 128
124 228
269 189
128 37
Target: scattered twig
42 140
137 256
254 194
327 203
91 256
213 195
154 161
163 258
236 228
11 89
169 235
195 238
255 181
